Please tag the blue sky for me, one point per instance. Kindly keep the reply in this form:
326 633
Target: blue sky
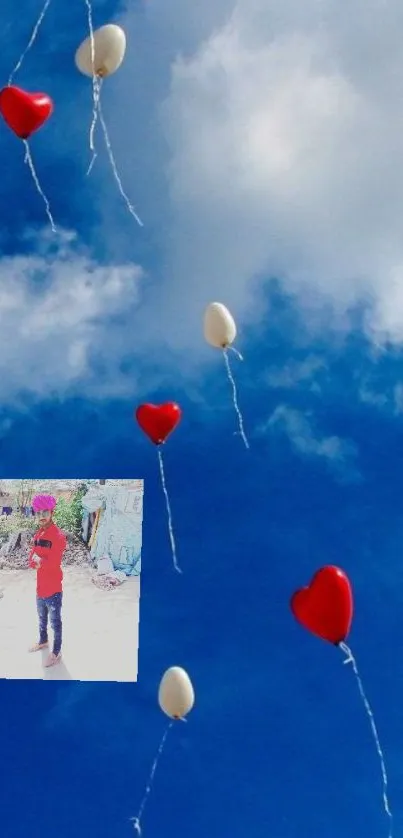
261 146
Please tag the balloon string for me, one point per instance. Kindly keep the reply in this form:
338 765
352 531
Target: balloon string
137 820
170 527
31 41
238 354
113 164
350 659
234 399
96 86
28 160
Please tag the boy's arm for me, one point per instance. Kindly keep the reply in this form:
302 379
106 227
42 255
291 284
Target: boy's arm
55 554
61 546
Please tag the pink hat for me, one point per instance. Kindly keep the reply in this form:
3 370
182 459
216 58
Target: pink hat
43 503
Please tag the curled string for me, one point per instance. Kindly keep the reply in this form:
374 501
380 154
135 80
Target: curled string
113 164
29 162
96 86
31 41
351 659
137 820
168 505
234 396
238 354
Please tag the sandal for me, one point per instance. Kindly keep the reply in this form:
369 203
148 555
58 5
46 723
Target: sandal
37 646
53 659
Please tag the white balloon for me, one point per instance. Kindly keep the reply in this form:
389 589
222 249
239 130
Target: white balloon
176 694
109 51
219 326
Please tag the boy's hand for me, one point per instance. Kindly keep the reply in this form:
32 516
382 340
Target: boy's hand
36 560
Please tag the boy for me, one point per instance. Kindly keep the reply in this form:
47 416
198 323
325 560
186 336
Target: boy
46 556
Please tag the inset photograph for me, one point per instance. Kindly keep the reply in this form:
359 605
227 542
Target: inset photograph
70 562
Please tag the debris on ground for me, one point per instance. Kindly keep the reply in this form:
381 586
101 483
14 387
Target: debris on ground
14 552
108 581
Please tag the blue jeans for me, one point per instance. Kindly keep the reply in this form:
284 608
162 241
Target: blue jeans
51 606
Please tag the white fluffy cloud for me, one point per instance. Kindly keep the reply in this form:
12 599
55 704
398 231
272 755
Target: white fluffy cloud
307 441
284 128
279 130
295 374
61 312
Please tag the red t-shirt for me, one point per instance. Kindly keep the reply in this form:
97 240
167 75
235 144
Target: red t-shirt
49 544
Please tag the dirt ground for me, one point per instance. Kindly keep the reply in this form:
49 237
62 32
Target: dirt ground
16 558
100 628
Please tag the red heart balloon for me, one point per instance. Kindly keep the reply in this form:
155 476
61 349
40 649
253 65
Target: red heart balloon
24 112
158 421
325 607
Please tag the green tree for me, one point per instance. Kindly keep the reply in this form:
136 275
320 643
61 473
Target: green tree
68 515
77 509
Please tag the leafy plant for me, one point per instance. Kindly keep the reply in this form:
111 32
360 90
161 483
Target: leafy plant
68 515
